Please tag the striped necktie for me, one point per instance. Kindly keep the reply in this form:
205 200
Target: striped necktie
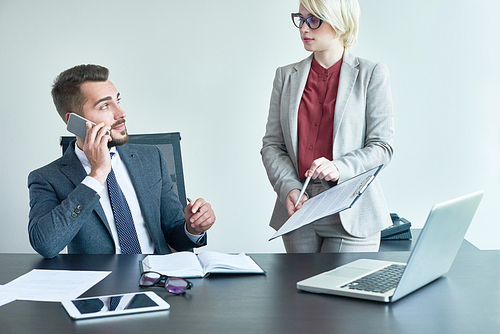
114 301
127 235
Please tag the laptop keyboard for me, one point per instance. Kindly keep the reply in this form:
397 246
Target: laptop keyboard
380 281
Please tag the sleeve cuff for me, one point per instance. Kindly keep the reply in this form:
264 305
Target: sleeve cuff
197 239
93 184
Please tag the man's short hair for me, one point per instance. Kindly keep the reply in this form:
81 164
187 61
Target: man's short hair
342 15
66 91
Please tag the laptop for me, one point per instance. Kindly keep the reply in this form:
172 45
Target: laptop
431 258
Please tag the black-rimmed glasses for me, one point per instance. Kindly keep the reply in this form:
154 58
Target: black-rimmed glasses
312 21
175 285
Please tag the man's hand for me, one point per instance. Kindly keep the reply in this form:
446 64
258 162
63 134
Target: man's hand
199 216
292 198
96 149
323 169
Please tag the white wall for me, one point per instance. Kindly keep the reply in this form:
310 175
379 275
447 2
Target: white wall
205 68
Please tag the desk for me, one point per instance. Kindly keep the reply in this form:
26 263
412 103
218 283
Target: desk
269 303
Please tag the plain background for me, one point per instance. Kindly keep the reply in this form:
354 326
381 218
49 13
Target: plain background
205 69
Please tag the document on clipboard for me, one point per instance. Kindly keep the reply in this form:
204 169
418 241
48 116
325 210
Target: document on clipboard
336 199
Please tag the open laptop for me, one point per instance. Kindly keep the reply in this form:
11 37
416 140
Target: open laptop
431 258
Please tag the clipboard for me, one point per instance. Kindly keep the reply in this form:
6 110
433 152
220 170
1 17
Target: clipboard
336 199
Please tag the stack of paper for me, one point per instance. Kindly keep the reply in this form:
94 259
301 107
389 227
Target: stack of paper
50 285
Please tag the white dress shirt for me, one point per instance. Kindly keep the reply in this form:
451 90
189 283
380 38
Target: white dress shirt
123 179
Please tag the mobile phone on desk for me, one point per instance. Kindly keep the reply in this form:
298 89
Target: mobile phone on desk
78 125
104 306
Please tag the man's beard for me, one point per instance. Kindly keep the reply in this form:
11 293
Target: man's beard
118 141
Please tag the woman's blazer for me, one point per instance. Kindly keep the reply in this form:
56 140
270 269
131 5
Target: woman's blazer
363 132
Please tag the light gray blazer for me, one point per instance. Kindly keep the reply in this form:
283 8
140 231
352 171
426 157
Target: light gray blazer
65 212
362 137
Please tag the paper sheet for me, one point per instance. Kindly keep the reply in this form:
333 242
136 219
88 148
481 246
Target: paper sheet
51 285
4 300
334 200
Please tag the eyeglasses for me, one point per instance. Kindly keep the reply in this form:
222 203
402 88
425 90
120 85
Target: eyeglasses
312 21
175 285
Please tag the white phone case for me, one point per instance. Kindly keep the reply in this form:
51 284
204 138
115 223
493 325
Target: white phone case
77 125
104 306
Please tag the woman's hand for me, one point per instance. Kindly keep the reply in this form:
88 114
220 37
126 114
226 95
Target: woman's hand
323 169
292 198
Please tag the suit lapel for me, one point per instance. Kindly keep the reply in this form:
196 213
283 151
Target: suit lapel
298 80
143 182
71 166
348 76
132 160
74 171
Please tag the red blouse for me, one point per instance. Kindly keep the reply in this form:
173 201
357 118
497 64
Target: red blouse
315 118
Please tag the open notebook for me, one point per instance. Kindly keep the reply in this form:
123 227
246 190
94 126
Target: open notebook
430 259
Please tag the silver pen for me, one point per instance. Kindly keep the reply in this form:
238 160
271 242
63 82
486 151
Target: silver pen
303 190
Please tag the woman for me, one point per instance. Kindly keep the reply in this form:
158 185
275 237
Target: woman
330 118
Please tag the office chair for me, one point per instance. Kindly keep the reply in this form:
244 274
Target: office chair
168 143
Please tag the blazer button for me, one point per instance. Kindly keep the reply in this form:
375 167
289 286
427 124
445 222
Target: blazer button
74 214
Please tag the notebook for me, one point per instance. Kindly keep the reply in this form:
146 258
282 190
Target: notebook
431 258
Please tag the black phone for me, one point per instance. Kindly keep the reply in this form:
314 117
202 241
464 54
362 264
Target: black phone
399 230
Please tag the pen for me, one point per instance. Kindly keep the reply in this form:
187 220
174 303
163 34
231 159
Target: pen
190 200
303 190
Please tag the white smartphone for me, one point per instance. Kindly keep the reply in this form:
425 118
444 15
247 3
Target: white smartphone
78 125
104 306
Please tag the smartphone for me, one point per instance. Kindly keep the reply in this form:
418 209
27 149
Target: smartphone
104 306
78 125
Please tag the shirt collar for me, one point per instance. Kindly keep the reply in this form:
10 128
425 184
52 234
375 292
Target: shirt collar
335 68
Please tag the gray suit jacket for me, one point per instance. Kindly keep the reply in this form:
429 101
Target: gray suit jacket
64 212
362 137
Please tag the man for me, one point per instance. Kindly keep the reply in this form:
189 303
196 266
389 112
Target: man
70 203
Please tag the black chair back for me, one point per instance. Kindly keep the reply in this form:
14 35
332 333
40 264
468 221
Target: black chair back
169 144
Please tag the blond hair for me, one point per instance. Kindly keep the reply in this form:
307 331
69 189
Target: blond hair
342 15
